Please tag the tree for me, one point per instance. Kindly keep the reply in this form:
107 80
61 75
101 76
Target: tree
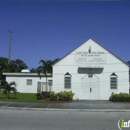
8 87
45 68
33 70
128 62
55 61
14 66
19 65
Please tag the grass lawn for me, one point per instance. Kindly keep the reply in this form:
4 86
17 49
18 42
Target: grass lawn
21 97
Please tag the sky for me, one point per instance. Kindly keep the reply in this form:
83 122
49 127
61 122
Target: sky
50 29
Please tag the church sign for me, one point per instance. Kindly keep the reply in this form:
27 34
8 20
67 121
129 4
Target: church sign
90 57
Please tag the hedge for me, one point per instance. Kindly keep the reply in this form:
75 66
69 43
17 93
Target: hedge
52 96
121 97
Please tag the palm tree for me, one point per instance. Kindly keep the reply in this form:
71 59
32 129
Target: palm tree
8 87
55 61
45 68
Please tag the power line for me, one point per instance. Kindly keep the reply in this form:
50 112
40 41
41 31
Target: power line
61 1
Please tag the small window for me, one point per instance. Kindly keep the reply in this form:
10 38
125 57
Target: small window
67 81
113 81
90 76
50 82
29 81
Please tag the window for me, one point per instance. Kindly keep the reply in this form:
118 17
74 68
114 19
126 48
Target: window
29 81
50 82
67 81
90 76
113 81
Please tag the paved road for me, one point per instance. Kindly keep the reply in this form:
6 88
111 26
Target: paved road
82 105
60 120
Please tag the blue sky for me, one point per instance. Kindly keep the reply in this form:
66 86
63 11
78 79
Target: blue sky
49 29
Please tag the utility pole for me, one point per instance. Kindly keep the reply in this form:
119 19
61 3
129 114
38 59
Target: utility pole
9 46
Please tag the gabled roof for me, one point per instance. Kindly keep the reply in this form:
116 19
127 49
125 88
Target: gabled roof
100 46
67 73
113 74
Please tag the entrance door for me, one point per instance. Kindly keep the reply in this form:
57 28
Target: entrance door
38 87
90 87
44 88
41 87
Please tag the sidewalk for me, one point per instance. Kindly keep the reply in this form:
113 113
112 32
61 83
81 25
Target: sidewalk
84 105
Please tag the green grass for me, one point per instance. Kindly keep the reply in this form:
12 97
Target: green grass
21 97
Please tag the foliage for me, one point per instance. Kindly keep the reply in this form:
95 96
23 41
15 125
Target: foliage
53 96
121 97
33 70
43 95
6 88
47 94
66 96
128 62
14 66
60 96
55 61
46 66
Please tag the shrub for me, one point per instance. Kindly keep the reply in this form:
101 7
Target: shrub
43 95
52 96
61 96
121 97
66 96
47 94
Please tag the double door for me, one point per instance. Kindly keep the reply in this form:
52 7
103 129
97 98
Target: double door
90 89
42 87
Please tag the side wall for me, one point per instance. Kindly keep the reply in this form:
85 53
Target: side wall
21 82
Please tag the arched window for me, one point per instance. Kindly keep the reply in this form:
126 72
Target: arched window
113 81
67 81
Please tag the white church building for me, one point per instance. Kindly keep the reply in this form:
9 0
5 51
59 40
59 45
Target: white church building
91 72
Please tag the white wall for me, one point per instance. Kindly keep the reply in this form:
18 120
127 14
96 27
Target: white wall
21 82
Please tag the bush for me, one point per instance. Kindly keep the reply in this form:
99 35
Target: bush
46 94
61 96
52 96
43 95
65 96
121 97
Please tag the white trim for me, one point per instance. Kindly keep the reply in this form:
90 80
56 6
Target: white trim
24 74
90 67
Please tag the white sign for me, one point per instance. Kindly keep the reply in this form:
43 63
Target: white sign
93 57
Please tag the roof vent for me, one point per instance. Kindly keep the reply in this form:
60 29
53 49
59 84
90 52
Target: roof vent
25 71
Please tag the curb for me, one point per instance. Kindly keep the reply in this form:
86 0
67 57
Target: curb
65 110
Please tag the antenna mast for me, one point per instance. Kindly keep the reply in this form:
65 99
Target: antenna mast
9 46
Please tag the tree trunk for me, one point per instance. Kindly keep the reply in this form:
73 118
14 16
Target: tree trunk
46 83
8 95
